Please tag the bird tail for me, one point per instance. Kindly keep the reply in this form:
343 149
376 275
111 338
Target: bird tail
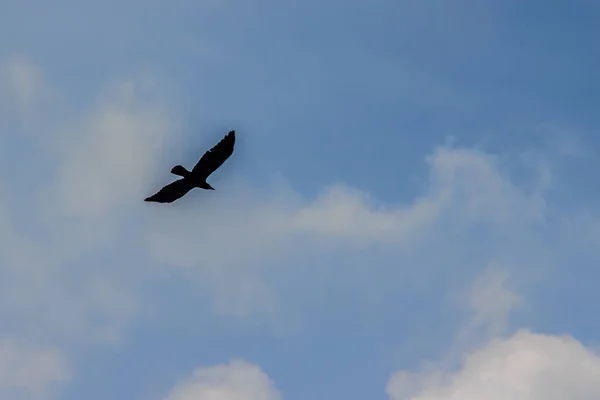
180 170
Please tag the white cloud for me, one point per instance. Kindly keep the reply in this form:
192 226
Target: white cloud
526 366
98 161
237 380
344 213
112 153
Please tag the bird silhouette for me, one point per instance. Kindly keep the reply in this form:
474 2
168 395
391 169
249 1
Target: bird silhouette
196 178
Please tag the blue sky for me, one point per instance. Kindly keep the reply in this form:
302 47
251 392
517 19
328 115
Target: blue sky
412 203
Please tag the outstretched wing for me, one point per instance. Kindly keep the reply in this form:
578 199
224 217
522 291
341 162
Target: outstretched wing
215 157
171 192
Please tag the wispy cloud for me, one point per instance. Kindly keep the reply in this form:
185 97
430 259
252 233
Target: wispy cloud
30 372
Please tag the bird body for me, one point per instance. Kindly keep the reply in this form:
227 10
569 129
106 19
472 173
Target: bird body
196 178
193 179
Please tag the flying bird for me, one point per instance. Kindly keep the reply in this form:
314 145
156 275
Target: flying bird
196 178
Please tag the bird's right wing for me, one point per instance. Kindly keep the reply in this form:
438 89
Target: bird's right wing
215 157
171 192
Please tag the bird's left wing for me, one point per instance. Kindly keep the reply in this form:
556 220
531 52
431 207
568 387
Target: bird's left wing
171 192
